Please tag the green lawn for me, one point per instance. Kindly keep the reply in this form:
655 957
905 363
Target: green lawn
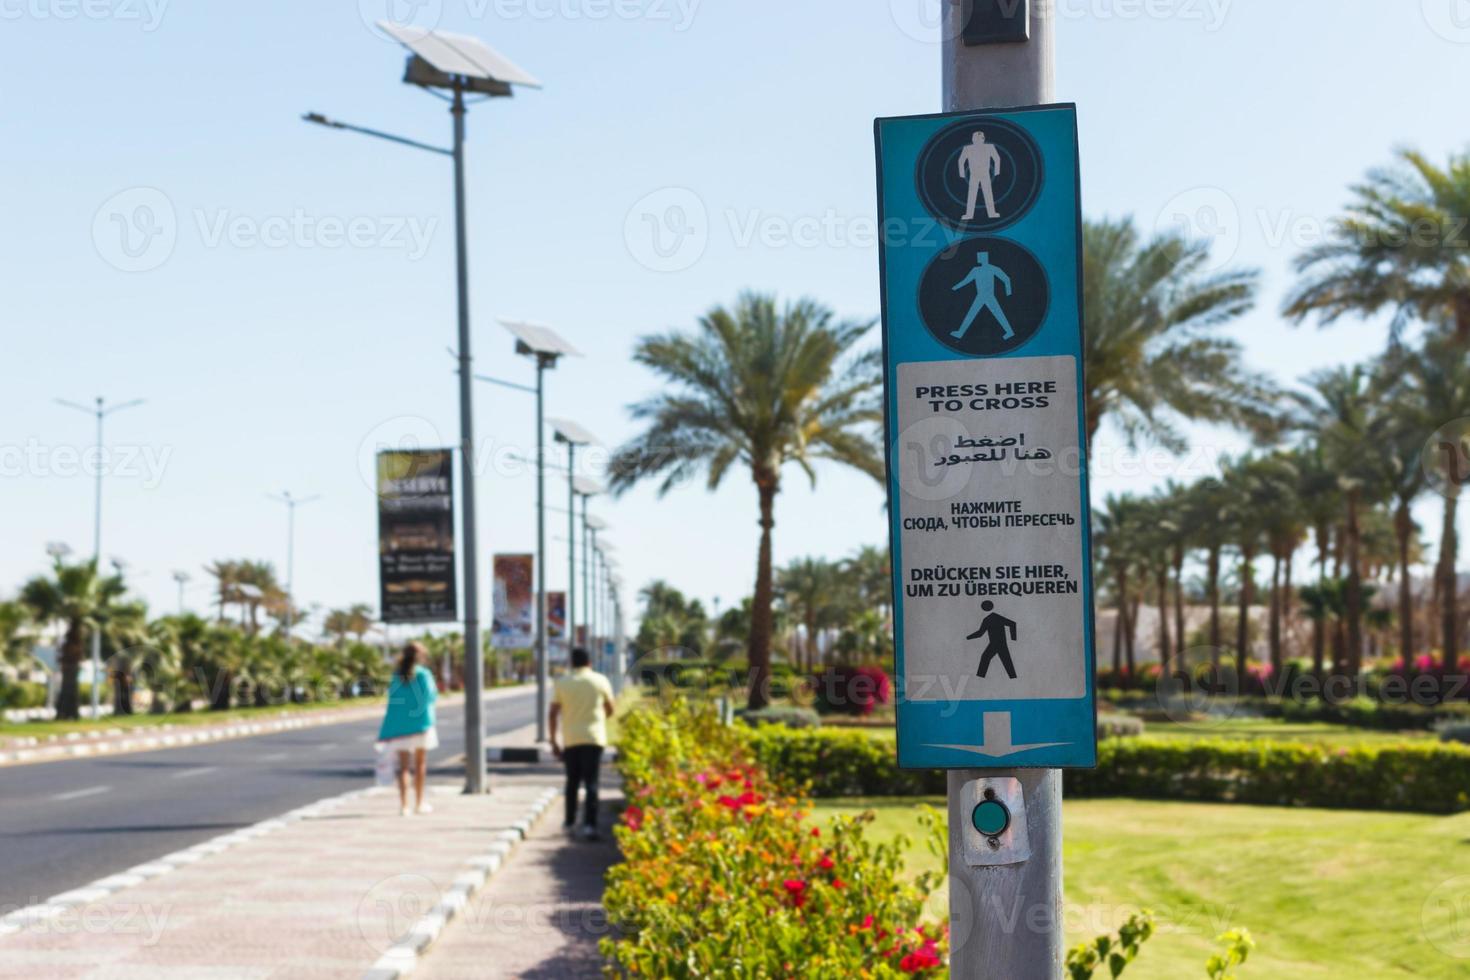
1326 893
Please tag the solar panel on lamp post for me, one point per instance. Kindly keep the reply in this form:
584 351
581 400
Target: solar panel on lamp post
457 64
546 346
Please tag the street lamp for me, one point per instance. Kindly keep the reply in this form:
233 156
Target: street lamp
586 488
546 346
291 504
573 435
591 557
458 64
100 410
181 577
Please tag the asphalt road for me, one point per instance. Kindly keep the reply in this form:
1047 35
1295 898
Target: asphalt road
66 823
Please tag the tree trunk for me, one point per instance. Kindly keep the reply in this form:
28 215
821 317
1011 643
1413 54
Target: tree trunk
1276 659
1118 643
1164 656
1242 625
1403 527
1131 638
68 700
122 688
1449 608
1179 602
1354 603
1212 589
760 607
811 639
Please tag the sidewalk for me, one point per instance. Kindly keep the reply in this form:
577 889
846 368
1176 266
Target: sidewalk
541 917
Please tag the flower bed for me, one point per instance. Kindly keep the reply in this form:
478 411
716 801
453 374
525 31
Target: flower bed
724 873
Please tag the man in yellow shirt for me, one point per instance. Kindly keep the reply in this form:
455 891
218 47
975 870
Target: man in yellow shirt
585 698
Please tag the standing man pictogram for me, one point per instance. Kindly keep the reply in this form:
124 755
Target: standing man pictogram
998 630
980 165
984 277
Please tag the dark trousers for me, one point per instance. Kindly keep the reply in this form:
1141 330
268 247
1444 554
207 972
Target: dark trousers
582 762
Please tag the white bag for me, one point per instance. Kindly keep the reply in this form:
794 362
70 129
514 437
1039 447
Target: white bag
385 768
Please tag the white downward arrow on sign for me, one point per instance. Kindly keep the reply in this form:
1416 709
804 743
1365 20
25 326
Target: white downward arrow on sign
997 726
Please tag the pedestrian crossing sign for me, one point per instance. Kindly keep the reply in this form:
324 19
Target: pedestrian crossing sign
980 266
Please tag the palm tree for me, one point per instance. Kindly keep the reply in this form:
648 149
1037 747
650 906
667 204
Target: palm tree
1117 529
82 600
227 580
761 386
870 573
1206 507
807 587
1253 488
1151 309
1342 414
15 639
1436 389
1399 246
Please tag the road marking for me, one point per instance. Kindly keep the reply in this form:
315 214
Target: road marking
77 794
274 756
194 772
327 746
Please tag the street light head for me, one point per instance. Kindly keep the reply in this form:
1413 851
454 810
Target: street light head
439 59
570 432
596 523
58 549
536 340
181 577
585 486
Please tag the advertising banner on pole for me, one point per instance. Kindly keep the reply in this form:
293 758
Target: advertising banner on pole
514 625
986 438
416 536
556 624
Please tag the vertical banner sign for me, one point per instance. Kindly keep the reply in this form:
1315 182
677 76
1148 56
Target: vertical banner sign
514 623
987 467
556 623
416 536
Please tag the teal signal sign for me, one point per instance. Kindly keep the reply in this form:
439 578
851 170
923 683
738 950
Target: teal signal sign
981 264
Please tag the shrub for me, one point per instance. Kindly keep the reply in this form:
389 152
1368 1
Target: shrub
852 690
722 867
1414 777
22 694
788 715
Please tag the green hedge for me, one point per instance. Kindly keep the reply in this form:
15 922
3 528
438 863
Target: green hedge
22 694
1425 778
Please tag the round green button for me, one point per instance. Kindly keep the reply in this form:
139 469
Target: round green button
991 817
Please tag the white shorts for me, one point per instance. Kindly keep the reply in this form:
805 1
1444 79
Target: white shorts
426 740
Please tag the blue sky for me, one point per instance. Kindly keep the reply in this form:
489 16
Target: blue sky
291 296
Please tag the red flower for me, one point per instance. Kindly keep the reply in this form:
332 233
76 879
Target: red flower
795 890
838 883
816 831
924 958
633 817
826 863
867 921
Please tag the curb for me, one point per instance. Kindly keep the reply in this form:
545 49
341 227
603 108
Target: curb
402 957
105 887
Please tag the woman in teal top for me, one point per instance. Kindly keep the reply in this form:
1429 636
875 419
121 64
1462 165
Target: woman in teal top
408 727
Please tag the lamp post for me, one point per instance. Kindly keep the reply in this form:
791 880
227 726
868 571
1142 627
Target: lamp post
586 488
100 410
573 435
592 525
182 578
457 64
545 346
291 504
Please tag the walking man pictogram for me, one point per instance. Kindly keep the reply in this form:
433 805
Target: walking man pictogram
980 164
998 630
984 277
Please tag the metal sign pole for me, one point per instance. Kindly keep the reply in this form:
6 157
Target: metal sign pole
1005 920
